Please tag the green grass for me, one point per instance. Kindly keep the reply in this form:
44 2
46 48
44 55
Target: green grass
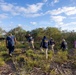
2 62
30 59
61 57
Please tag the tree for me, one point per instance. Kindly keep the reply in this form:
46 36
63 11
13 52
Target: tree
19 33
53 32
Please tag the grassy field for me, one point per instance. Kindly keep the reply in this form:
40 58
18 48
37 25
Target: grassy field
33 62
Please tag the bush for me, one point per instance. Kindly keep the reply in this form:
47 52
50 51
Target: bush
21 59
29 52
50 54
61 57
1 61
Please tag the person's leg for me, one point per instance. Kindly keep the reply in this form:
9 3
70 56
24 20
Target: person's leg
46 53
12 49
41 49
52 48
32 44
9 50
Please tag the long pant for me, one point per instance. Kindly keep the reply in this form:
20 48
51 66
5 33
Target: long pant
46 51
31 44
11 49
52 47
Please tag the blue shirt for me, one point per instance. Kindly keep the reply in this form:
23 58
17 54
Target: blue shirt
10 40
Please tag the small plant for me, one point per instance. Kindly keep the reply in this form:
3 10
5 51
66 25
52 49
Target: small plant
1 61
74 65
7 59
52 72
61 57
50 54
29 52
29 65
20 59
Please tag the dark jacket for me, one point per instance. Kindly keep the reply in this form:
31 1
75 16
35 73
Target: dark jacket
30 38
44 42
64 45
51 42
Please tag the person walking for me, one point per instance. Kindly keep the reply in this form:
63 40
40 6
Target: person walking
44 45
63 45
52 44
10 43
30 41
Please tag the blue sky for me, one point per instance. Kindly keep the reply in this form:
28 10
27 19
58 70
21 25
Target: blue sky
32 14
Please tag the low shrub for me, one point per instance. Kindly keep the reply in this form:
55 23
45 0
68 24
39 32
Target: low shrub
61 57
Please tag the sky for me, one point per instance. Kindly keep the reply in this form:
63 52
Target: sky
32 14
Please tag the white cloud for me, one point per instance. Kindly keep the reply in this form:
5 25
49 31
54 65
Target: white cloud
71 23
55 12
33 23
19 25
67 26
61 15
34 8
18 10
73 17
69 10
9 8
66 10
54 2
33 15
58 19
3 16
6 7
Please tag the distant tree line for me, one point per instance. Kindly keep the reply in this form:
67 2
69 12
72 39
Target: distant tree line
38 34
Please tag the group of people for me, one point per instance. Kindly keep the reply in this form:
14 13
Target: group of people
45 43
11 41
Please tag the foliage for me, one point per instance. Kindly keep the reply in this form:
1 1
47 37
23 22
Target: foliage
61 57
26 62
19 33
2 62
49 32
30 59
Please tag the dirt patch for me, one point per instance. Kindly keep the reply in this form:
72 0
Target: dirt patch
6 70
